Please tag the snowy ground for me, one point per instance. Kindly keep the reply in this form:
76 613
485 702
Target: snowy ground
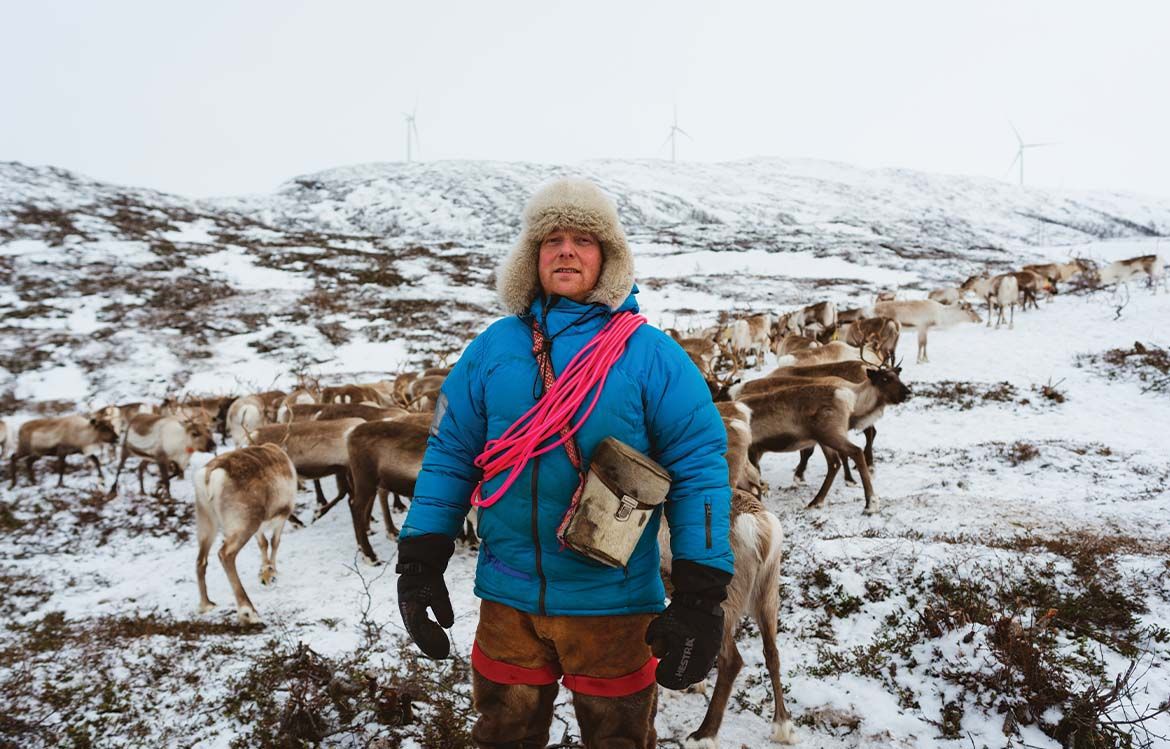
959 498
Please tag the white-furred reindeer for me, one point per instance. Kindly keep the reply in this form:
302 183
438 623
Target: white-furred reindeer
239 493
924 314
168 441
757 541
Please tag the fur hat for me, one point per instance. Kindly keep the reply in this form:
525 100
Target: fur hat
567 203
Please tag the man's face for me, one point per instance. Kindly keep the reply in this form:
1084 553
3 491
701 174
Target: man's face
570 262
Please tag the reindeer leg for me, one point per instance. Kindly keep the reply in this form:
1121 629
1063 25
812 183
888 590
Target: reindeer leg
830 473
398 503
164 479
847 449
141 475
798 475
227 557
12 471
360 504
730 663
766 618
848 477
922 345
388 521
28 468
118 474
205 531
870 433
321 501
60 468
97 464
279 529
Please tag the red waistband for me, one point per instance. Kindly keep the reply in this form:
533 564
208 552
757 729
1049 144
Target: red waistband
618 686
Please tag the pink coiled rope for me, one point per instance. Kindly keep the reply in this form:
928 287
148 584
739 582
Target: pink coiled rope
551 415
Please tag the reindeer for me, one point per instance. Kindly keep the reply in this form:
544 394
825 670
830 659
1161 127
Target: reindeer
1056 273
757 541
815 318
424 392
317 449
741 474
3 438
702 351
1030 285
360 411
1122 270
1004 291
61 436
384 457
244 415
833 351
979 285
793 342
794 417
924 314
846 316
239 493
878 333
948 295
168 441
837 372
352 394
298 397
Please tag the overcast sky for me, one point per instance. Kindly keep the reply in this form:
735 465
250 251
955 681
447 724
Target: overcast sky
218 98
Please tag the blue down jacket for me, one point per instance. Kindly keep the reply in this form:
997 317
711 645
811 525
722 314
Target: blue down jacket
654 400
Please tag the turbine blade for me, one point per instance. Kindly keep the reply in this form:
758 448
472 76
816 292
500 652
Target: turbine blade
667 140
1038 145
1017 132
1017 158
684 132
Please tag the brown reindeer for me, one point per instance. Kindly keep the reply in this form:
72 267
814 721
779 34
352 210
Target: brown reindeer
384 457
924 314
352 394
851 371
1056 273
879 334
168 441
424 392
794 417
316 448
61 436
239 493
814 319
757 541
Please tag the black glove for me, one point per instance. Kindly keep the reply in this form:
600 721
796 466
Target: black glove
687 636
421 563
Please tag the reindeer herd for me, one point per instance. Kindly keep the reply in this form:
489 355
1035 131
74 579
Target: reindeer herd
835 372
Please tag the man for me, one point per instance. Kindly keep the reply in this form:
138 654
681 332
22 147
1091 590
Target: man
547 611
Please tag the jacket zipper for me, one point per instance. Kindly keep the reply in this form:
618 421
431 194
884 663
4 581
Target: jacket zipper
707 521
536 537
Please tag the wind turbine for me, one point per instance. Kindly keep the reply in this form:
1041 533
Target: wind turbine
674 131
411 132
1020 151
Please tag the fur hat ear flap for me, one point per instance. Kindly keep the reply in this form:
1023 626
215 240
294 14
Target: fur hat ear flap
567 203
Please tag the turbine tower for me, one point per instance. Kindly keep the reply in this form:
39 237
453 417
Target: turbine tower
1020 151
411 133
675 130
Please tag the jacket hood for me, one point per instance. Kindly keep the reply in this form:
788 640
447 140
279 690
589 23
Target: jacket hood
568 203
